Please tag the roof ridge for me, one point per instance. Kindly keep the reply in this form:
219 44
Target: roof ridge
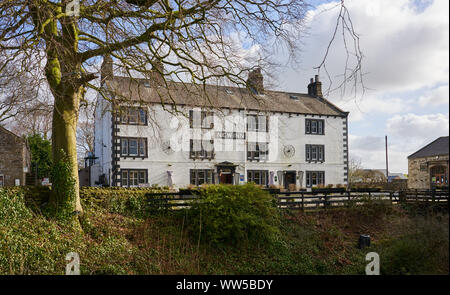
10 132
424 147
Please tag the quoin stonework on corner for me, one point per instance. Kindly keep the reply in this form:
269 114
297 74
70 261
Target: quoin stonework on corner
14 159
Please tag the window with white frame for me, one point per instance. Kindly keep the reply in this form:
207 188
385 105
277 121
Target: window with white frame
314 178
201 176
133 177
201 119
257 151
201 149
257 123
315 126
260 177
315 153
133 147
133 116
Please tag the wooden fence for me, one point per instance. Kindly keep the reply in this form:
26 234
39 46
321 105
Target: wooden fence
302 200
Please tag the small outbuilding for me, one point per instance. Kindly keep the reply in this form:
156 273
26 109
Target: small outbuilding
15 160
428 167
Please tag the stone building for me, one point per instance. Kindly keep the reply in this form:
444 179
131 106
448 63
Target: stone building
15 160
181 135
428 167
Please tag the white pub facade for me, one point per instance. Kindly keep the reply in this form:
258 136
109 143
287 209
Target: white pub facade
177 135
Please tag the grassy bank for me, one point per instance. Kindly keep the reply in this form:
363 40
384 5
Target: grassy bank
120 237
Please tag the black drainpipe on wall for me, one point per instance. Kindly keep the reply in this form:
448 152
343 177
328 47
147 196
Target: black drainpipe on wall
114 143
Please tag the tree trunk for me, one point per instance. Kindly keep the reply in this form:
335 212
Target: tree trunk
65 197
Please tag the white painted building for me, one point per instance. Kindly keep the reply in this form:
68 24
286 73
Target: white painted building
180 135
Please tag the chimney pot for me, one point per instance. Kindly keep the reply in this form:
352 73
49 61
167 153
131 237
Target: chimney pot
106 71
315 87
256 81
157 72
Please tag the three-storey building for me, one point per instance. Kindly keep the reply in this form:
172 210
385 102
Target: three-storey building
177 135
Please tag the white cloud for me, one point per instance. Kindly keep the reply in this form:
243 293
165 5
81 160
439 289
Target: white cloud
418 128
435 97
406 134
405 50
373 105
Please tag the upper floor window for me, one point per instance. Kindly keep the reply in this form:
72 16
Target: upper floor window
314 178
257 151
257 123
133 116
201 149
133 147
315 126
201 119
315 153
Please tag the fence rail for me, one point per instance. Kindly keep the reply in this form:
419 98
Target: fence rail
302 200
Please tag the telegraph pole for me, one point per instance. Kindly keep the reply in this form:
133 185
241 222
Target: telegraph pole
387 161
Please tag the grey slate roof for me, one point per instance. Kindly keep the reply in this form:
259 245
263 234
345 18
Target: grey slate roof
436 148
212 96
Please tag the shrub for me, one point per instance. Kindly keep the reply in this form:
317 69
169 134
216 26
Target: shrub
234 214
12 208
424 251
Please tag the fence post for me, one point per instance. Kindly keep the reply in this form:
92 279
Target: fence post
303 202
433 195
348 199
390 196
417 196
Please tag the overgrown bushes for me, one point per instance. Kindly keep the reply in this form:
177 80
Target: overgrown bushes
234 215
423 251
127 201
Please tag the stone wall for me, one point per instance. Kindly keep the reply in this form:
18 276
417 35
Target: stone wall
419 170
14 158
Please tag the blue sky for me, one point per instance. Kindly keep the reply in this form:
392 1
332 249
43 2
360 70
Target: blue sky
406 56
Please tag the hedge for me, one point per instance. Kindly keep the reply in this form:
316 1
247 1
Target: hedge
114 199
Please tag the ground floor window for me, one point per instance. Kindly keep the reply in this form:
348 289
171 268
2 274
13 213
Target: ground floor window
2 180
314 178
439 175
201 176
133 177
260 177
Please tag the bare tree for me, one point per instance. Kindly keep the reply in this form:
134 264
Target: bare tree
354 170
196 41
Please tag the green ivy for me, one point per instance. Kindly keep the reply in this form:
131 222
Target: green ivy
64 192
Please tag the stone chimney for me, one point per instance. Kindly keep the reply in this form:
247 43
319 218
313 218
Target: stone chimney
157 73
255 81
315 87
106 70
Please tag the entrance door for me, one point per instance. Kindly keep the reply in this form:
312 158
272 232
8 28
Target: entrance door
225 172
290 178
226 178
